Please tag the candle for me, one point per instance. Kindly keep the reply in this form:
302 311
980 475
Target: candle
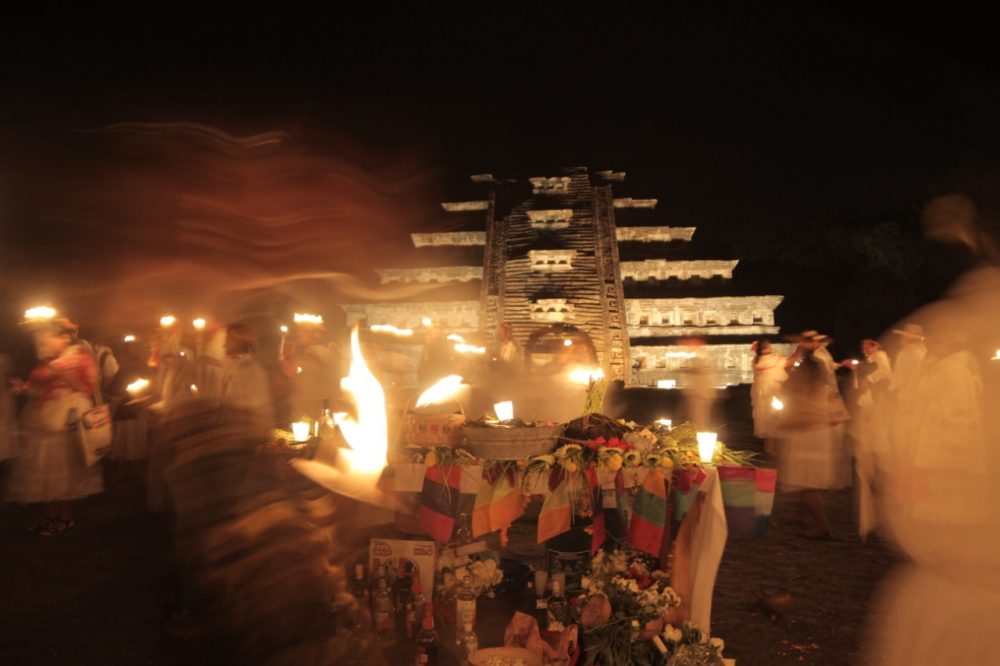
426 321
129 338
281 344
166 321
199 324
300 429
504 410
666 383
706 445
776 404
665 422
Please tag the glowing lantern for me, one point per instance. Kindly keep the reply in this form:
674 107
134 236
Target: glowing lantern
706 445
567 343
504 410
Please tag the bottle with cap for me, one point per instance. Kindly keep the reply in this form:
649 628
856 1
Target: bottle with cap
469 641
427 640
465 607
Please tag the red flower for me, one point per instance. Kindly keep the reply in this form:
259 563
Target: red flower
616 443
594 444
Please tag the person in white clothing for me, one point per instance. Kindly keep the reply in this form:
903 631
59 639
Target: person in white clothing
769 373
245 383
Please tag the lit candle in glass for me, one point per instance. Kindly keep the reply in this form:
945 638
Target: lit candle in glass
504 410
300 430
706 445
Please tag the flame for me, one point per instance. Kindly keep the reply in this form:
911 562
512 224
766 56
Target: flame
776 404
39 312
706 445
129 338
389 328
665 422
166 321
283 329
996 355
442 391
463 348
306 318
199 323
455 337
586 376
426 321
666 383
137 387
567 343
368 434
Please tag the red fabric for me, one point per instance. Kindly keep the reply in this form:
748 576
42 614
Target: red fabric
74 370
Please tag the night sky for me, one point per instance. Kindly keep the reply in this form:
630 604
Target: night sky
764 127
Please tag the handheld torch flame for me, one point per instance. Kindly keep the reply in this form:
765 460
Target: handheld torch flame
585 376
389 328
368 433
442 391
39 313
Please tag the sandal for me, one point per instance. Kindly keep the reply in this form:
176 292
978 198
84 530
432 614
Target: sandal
57 526
39 525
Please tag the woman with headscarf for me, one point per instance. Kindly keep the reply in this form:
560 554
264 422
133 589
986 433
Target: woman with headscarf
51 468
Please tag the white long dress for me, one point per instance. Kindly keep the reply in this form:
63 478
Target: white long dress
768 375
941 498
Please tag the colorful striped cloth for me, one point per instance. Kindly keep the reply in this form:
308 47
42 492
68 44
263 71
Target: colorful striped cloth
498 500
556 514
649 514
439 501
747 495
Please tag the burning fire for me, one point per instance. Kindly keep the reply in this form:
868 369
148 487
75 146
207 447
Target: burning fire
455 337
368 434
463 348
442 391
586 376
389 328
166 321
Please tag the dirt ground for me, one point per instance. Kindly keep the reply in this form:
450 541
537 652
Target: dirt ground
92 596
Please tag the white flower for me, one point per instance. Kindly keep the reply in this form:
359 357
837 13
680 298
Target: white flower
672 634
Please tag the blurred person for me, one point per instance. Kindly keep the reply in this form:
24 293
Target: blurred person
940 498
699 392
509 353
8 412
812 456
435 358
50 467
909 361
769 373
244 382
317 369
869 426
262 551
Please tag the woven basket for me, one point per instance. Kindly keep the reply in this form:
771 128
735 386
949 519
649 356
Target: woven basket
518 443
436 430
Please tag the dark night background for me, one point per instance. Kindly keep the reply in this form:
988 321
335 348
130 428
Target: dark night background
801 140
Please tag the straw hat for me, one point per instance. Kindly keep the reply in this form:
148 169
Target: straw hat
910 331
809 335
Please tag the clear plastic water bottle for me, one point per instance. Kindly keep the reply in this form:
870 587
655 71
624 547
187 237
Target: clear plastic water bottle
469 641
